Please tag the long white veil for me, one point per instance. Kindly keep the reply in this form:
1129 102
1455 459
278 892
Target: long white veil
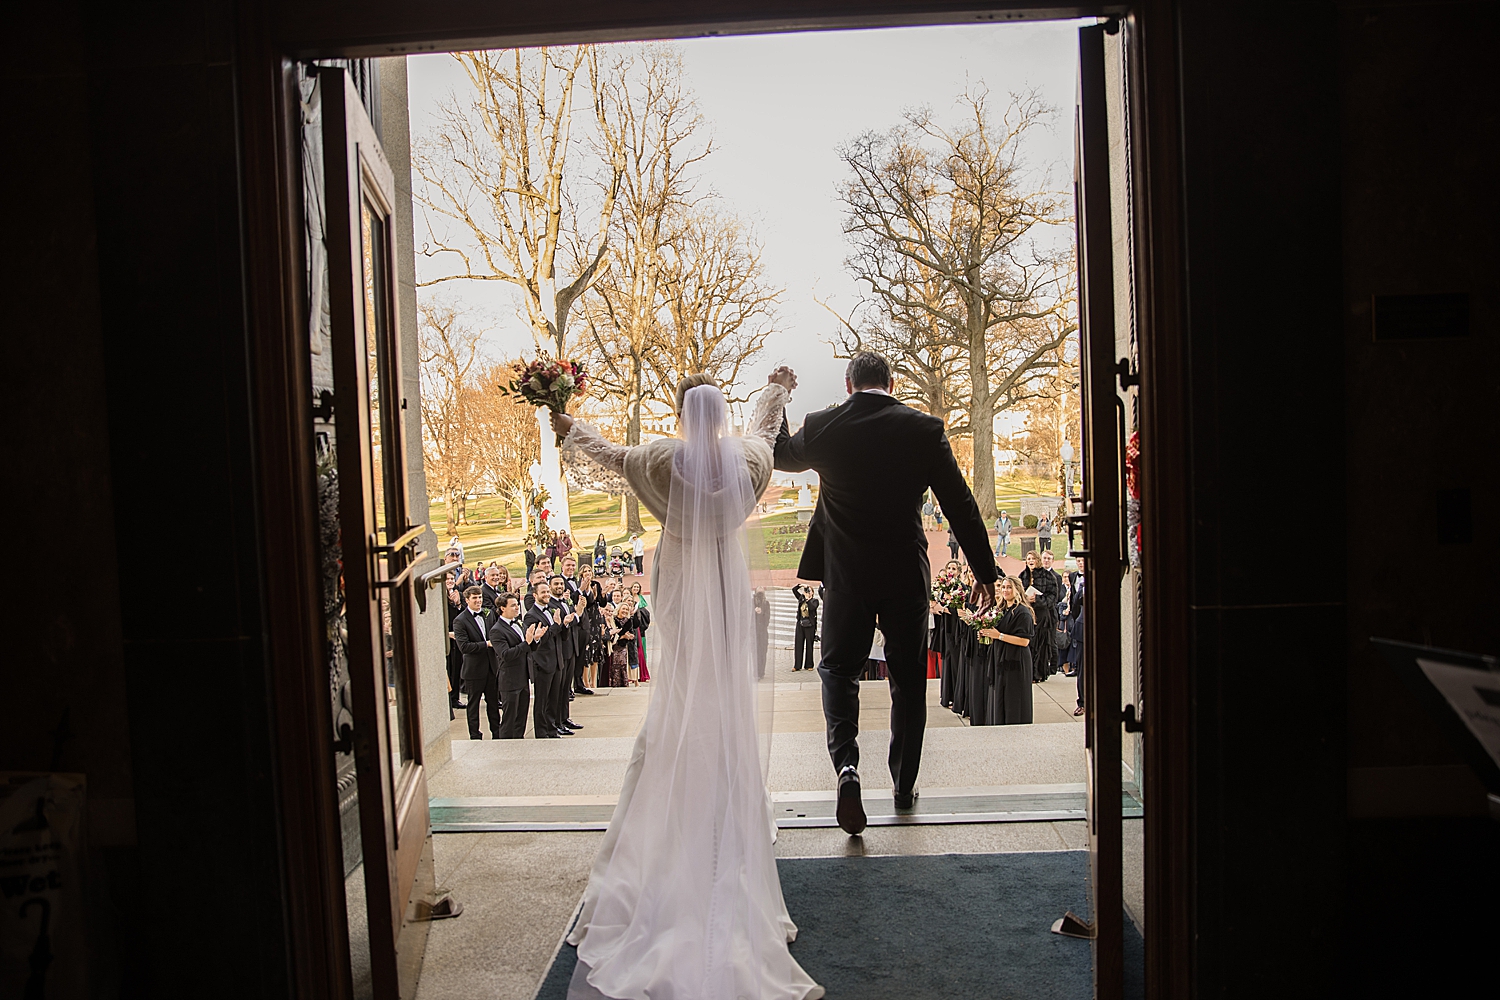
685 890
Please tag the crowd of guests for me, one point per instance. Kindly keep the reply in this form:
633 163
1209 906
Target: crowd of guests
988 661
606 561
534 644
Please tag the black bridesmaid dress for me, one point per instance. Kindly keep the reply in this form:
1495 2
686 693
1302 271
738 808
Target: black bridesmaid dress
938 643
978 679
1013 676
959 641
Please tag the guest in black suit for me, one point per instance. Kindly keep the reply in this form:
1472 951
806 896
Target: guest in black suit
510 642
875 458
572 608
471 632
807 627
546 659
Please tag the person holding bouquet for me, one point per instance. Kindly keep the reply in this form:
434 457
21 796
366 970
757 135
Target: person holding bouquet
1012 631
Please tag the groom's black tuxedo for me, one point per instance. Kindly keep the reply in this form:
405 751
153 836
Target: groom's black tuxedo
875 458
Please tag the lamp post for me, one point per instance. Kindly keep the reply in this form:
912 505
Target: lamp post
1066 451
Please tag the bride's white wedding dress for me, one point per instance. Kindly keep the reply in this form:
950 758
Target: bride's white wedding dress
684 901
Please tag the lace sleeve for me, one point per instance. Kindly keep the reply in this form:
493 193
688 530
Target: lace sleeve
593 463
765 420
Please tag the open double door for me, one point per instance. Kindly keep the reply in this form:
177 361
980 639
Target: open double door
371 624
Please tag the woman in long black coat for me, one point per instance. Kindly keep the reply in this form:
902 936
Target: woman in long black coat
1011 697
1044 614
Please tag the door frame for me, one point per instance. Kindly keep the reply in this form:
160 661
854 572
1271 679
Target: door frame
271 36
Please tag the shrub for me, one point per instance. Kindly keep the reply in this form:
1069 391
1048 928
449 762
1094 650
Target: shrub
1029 521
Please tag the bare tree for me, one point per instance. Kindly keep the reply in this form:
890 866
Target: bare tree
718 306
651 117
498 168
448 352
928 360
506 440
952 202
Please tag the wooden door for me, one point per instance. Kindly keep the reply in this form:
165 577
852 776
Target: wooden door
377 538
1100 518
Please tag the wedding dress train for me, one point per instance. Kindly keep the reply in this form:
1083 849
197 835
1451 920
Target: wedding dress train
684 901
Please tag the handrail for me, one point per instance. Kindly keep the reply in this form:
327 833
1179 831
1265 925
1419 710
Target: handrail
428 580
412 534
400 578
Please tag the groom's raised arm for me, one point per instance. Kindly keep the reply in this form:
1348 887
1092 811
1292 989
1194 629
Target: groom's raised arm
958 505
790 451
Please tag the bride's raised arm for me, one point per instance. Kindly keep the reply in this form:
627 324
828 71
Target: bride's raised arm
592 462
765 419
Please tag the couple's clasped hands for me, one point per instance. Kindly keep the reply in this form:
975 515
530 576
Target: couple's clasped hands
562 423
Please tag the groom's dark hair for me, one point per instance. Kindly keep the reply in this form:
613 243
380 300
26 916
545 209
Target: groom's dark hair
868 370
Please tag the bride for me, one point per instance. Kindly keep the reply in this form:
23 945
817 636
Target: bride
684 901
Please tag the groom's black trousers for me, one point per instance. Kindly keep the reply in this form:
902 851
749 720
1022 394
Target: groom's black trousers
848 629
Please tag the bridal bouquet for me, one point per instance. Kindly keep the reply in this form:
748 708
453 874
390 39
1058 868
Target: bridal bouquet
950 593
547 382
988 618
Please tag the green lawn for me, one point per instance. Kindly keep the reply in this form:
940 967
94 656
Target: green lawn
486 536
777 559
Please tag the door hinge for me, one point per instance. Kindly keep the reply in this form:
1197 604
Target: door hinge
1132 723
1128 376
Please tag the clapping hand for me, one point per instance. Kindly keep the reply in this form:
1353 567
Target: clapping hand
583 600
532 631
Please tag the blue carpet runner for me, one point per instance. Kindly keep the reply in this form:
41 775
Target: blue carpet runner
934 927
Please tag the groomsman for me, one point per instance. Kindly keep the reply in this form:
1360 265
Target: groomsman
479 674
546 658
572 604
510 643
580 633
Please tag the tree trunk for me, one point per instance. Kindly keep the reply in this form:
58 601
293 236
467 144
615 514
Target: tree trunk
624 513
981 408
451 510
633 438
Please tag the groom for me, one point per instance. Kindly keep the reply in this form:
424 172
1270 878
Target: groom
875 458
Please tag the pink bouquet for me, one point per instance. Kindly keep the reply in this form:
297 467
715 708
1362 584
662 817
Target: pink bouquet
547 382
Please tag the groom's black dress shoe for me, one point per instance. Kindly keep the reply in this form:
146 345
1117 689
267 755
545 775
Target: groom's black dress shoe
905 803
851 808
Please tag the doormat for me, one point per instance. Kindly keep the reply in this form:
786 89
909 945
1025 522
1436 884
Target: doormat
933 927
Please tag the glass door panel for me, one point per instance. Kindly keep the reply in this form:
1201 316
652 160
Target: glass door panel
376 538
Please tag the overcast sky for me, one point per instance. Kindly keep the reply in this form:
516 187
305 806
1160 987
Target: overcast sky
779 105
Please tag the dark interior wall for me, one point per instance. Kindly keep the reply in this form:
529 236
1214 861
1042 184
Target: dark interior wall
1260 168
165 160
1421 214
139 659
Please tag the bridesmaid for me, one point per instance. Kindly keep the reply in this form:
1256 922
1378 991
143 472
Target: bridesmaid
939 642
641 605
1014 632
